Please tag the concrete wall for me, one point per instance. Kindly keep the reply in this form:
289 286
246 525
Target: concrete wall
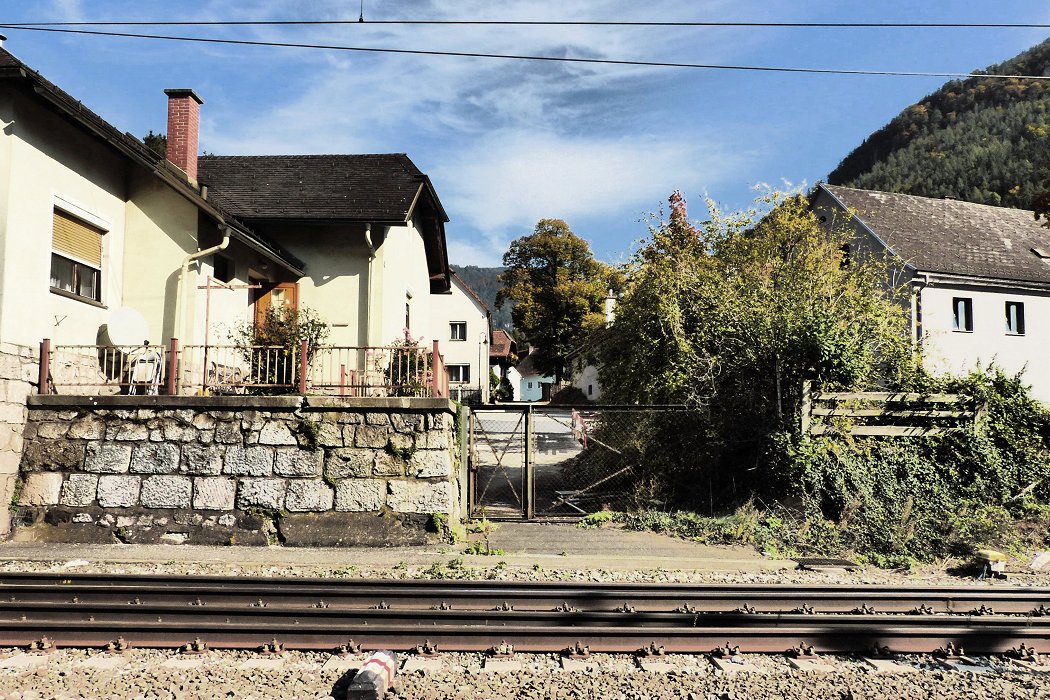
957 352
236 469
459 306
47 163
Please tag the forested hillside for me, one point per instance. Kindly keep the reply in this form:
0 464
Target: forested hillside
984 140
483 281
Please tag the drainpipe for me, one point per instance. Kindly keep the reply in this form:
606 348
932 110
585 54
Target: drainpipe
179 306
368 290
916 310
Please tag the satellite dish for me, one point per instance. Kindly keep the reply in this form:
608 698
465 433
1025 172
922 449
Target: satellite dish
127 327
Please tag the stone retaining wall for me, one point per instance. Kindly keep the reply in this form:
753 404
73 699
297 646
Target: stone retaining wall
19 372
238 470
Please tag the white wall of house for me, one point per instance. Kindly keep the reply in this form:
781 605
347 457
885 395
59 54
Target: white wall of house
530 387
460 307
586 380
45 163
402 278
947 350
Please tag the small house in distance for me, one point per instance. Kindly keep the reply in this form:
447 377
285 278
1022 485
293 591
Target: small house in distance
979 276
465 321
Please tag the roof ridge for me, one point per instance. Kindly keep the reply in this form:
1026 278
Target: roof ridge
929 199
304 155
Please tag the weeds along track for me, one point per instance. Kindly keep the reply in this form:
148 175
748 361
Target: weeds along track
323 614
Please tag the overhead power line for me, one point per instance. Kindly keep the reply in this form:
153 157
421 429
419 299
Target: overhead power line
541 23
525 57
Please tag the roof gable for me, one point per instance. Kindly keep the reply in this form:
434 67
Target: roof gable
950 236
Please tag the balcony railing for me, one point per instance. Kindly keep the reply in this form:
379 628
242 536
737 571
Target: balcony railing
352 371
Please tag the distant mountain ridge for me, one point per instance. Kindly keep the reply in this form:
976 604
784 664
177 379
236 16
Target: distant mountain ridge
984 140
483 281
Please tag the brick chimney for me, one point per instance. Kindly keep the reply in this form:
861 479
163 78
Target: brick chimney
184 119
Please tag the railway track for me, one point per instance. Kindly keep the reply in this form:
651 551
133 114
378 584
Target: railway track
323 614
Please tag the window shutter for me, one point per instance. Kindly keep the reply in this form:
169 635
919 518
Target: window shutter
77 239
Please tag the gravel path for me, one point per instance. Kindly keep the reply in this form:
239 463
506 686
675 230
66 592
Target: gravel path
142 674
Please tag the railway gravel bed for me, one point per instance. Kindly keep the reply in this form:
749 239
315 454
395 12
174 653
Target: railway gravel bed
495 568
146 674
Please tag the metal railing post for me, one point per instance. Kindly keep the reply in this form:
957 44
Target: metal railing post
45 366
435 369
171 383
304 348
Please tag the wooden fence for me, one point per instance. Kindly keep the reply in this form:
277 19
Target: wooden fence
888 414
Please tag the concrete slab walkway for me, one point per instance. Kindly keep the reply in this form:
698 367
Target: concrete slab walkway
549 545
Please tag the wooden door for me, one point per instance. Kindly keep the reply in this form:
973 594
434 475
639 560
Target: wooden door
274 296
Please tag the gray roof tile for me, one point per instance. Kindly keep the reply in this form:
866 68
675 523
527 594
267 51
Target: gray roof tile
953 237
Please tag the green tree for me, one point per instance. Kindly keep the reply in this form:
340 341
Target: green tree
158 143
730 316
558 290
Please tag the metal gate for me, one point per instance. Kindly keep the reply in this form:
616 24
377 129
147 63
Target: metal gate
547 462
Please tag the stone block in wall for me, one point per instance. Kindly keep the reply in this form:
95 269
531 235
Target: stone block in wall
358 495
349 433
166 492
248 461
176 431
79 490
12 413
277 433
202 460
407 422
387 464
402 442
419 496
155 458
202 421
87 428
295 462
118 491
429 464
9 462
261 493
123 430
433 440
51 431
331 435
228 433
439 421
371 435
41 489
346 462
58 455
375 418
107 457
214 493
347 417
308 496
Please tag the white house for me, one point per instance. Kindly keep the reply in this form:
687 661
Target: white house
979 276
532 381
464 318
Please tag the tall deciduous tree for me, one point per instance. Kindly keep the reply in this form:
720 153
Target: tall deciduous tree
558 290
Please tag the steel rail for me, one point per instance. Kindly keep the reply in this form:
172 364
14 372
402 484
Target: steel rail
482 595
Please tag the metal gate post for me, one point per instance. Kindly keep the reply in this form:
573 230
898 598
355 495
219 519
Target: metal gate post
527 495
472 467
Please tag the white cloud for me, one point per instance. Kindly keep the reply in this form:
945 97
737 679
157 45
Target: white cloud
509 180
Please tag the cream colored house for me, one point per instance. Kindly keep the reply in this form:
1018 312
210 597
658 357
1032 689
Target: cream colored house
92 221
465 320
979 276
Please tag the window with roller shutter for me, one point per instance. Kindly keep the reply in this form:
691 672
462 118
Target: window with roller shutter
76 257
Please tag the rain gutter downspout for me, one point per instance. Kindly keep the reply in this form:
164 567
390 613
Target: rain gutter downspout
916 309
179 305
368 290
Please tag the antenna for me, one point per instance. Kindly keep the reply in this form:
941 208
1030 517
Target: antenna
361 18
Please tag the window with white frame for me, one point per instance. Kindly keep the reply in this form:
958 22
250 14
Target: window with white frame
1014 318
962 315
76 257
457 330
459 374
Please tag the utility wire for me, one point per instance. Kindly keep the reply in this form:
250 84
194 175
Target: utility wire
523 57
543 23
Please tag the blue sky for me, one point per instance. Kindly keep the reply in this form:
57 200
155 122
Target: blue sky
506 142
